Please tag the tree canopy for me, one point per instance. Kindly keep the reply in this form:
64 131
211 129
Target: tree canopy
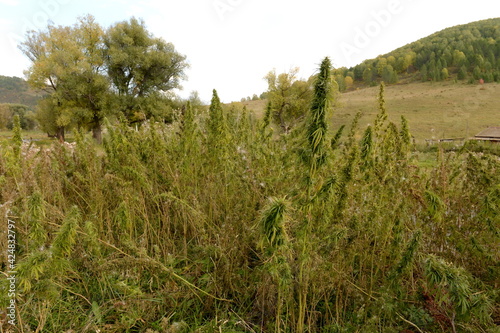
140 67
90 72
8 111
289 97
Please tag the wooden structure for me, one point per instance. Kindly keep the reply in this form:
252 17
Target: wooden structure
491 134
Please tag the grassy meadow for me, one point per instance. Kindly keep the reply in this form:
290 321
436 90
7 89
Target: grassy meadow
435 110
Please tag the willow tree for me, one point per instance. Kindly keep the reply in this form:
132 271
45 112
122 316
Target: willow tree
141 68
68 63
90 73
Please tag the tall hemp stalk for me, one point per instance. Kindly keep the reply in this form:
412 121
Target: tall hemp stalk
264 133
217 131
382 115
218 142
316 134
373 138
17 139
275 243
188 129
317 127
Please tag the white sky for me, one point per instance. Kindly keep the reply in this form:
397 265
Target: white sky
232 44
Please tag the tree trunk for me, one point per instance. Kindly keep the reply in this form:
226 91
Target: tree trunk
60 134
97 132
283 126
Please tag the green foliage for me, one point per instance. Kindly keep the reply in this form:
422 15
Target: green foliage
70 61
435 205
275 243
26 116
335 140
91 74
267 116
13 83
35 218
217 135
382 115
49 118
65 238
454 293
17 139
139 67
320 106
408 256
206 224
405 132
272 221
389 75
289 98
367 145
32 268
188 128
460 50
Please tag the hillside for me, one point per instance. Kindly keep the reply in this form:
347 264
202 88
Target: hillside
15 90
434 110
466 52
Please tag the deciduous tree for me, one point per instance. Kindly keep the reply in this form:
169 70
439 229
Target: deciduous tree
68 62
141 68
289 97
90 73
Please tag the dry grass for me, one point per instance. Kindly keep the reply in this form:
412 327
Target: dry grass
434 110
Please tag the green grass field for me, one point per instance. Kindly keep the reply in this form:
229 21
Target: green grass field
38 137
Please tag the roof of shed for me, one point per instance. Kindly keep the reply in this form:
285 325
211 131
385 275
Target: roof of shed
490 132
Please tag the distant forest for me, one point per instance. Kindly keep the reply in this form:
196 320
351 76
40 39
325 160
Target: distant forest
16 90
16 98
465 52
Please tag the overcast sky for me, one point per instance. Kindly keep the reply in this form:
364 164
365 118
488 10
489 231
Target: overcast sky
232 44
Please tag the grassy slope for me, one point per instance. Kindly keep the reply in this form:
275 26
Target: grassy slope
16 91
434 110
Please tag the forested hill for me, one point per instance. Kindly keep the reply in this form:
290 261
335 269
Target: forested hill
466 52
16 91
